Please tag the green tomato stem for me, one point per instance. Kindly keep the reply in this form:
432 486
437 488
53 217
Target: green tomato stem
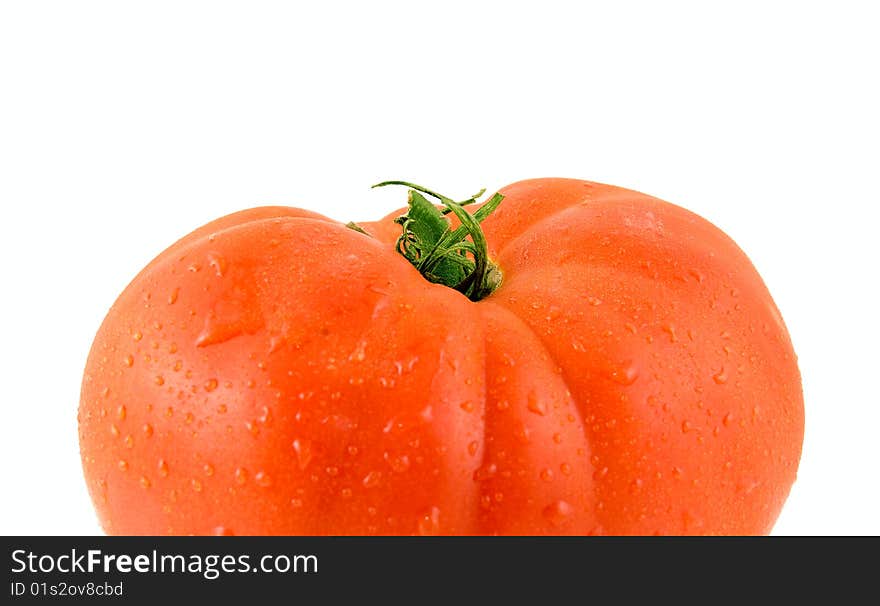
444 255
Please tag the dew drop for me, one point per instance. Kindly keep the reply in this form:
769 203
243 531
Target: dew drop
467 406
123 465
625 375
129 441
159 380
303 450
208 469
129 360
222 531
137 335
399 464
473 447
240 476
172 298
720 377
536 406
196 485
372 479
565 468
578 345
547 474
210 385
145 482
121 412
557 512
262 479
429 522
669 329
163 468
218 263
485 472
114 431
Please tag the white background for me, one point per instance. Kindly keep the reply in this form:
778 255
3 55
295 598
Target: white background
125 125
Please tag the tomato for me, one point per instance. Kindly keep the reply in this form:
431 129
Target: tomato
617 367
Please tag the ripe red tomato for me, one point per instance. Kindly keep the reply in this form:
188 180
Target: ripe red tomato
276 372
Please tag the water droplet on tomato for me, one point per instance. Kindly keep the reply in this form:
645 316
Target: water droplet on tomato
484 472
114 431
578 345
372 479
163 468
145 482
303 450
467 406
565 468
399 463
210 385
129 360
172 298
429 522
720 377
240 476
626 374
218 263
697 274
121 413
262 479
129 441
208 469
558 512
222 531
536 406
547 474
196 485
473 447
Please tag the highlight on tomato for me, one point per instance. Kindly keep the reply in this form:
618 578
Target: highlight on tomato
566 357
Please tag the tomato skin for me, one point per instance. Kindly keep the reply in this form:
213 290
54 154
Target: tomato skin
275 372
